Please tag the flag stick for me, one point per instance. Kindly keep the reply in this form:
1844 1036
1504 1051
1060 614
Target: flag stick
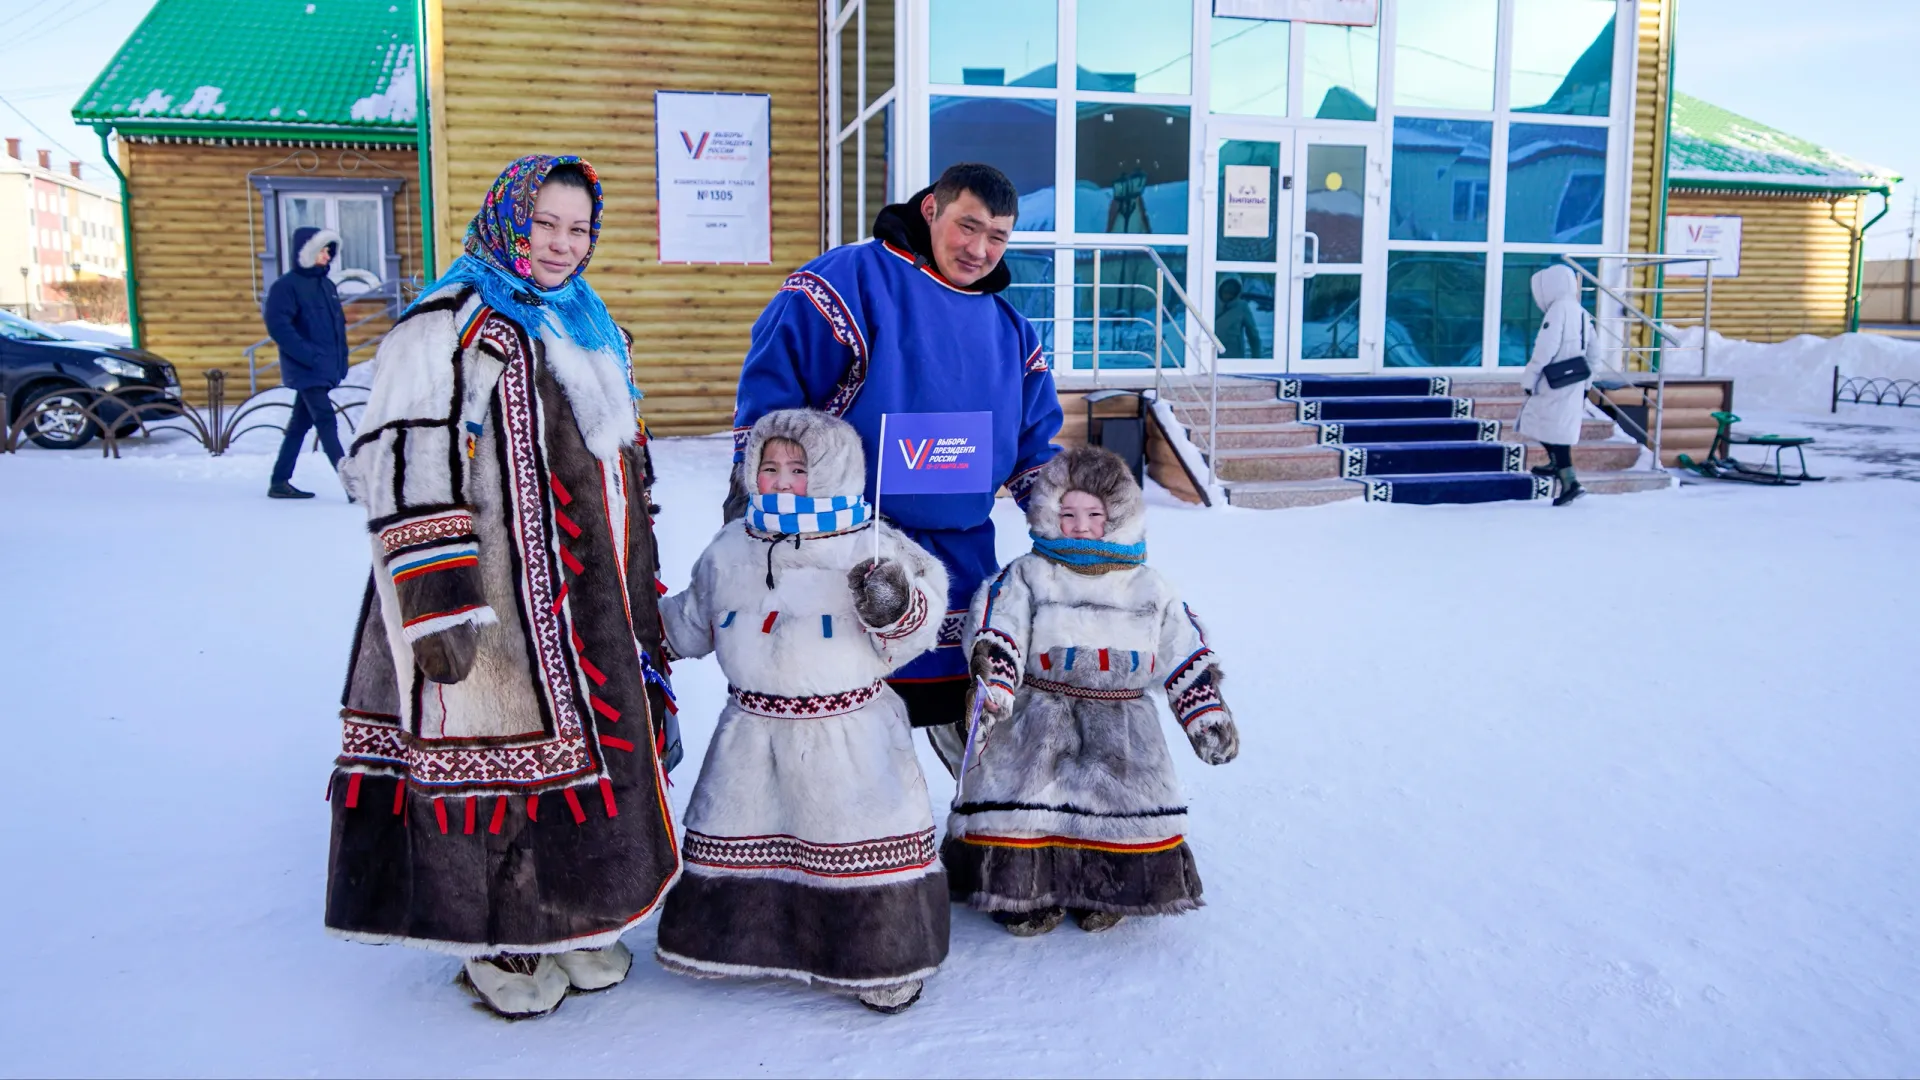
879 474
973 729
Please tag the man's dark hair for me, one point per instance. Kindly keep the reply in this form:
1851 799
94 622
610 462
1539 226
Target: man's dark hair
987 183
569 175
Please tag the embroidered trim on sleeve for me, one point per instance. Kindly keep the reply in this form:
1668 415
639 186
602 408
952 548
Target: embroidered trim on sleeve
912 621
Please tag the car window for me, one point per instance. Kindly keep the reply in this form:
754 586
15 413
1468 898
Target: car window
19 329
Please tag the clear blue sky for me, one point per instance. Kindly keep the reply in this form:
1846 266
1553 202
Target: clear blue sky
1841 73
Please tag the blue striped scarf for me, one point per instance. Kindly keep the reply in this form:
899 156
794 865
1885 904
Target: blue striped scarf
1090 556
801 515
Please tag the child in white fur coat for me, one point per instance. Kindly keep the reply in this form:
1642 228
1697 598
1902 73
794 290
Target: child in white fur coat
1071 802
809 849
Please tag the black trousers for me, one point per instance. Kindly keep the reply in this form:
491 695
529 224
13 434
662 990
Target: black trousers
941 708
1559 455
312 411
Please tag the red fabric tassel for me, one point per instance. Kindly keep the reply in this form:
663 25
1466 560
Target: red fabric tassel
1103 659
573 563
499 815
440 813
567 524
659 586
399 796
578 645
573 804
469 815
560 491
606 796
767 627
533 808
561 599
604 709
599 677
353 790
617 744
1046 662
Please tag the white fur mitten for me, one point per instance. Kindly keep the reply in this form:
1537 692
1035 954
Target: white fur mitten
1215 739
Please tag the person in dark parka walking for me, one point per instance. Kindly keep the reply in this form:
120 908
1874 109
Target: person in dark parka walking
308 324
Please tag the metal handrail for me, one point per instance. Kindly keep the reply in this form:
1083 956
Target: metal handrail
386 290
1177 383
1659 331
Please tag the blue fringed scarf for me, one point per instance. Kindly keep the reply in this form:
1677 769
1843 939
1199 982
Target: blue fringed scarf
1090 556
801 515
498 264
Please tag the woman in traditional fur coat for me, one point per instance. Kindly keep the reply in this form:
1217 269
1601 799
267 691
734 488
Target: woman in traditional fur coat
1070 802
499 794
809 847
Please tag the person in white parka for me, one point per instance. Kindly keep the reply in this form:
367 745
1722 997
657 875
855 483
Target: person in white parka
1551 415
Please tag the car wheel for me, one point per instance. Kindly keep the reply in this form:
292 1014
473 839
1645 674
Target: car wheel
58 420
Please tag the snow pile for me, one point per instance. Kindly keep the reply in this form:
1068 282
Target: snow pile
204 102
1483 822
156 101
398 103
102 333
1796 375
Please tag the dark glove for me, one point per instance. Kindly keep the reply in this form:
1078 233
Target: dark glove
880 592
447 655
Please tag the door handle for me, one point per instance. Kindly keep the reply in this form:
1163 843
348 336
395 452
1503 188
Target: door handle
1306 238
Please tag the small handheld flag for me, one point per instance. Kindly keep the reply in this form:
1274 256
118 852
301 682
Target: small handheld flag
933 454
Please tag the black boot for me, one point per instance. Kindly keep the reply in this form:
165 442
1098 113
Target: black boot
284 490
1570 488
1547 469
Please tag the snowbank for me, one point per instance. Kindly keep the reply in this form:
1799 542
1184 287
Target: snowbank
1796 375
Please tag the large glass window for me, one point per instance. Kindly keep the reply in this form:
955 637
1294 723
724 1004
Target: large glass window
1443 53
1436 302
1556 183
1131 168
1249 65
1519 315
1031 292
1336 191
1441 170
1342 75
860 165
850 70
878 151
1249 177
1563 56
1128 329
1135 46
1014 135
1330 317
994 42
879 51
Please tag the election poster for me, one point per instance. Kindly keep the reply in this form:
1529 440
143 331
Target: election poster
713 169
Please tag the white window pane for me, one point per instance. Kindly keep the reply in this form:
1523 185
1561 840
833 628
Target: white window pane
1443 53
360 246
1136 46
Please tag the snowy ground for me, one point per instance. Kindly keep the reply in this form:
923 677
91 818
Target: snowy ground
1621 789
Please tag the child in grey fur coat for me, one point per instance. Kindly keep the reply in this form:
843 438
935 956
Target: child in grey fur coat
809 849
1070 802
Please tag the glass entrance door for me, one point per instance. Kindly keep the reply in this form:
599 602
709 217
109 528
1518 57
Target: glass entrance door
1249 211
1337 252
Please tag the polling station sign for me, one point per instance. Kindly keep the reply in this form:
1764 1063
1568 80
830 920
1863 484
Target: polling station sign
936 453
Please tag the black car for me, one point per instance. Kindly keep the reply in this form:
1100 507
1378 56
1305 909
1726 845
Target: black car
38 364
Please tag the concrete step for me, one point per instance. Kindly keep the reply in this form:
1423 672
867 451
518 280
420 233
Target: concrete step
1238 413
1497 387
1237 389
1288 494
1283 463
1626 481
1592 457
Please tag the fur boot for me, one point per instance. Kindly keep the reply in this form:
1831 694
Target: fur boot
1031 923
893 999
1093 922
588 970
517 985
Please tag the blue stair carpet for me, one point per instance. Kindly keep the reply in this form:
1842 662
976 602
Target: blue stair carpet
1386 408
1408 431
1430 458
1326 386
1436 488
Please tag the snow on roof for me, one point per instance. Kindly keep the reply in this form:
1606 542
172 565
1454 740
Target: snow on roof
276 63
1713 145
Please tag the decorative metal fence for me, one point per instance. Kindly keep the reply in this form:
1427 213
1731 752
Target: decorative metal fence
1861 390
72 416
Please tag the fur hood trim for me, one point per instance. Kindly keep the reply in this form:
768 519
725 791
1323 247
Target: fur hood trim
1101 474
596 387
309 254
836 463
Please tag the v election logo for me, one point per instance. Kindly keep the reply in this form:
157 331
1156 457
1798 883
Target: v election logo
916 455
695 149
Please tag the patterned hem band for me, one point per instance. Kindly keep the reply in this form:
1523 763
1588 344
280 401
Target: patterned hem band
792 708
1052 687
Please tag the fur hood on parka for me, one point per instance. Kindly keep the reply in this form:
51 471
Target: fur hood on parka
836 463
1101 474
309 242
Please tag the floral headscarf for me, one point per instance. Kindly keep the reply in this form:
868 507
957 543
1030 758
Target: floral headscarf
499 263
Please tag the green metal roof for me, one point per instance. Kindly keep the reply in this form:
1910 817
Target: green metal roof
1715 148
333 69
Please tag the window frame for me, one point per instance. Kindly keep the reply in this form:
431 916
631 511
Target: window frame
273 256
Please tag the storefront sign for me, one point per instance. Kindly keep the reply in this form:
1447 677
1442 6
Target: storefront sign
1338 12
1249 194
1716 236
714 177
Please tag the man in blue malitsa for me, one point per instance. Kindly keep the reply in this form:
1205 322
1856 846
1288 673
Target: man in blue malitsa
916 320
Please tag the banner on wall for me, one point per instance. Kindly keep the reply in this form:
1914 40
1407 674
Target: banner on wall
1715 236
714 174
1337 12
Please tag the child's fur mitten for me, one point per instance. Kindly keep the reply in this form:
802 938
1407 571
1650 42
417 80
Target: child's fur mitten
880 591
